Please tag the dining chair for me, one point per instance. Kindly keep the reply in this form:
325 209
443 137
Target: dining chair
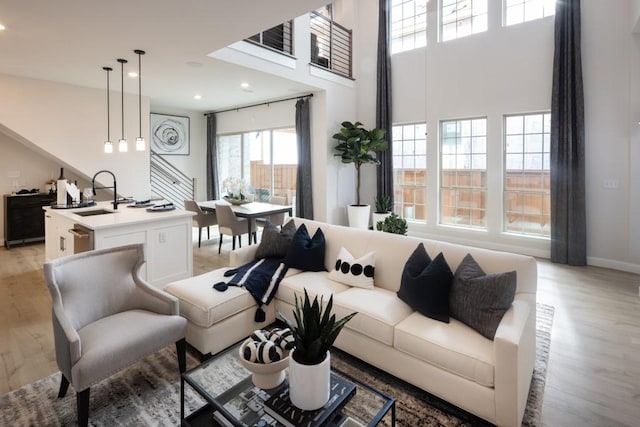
275 219
202 219
106 317
230 224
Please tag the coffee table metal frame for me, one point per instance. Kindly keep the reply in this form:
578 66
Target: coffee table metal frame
213 404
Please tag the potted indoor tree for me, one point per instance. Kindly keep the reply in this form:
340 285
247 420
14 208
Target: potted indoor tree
359 146
382 210
314 331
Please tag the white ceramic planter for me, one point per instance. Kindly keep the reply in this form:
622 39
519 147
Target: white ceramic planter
309 384
376 217
358 216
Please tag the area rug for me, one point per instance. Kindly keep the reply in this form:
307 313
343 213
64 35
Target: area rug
148 394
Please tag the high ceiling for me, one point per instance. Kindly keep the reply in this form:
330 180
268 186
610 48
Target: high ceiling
71 40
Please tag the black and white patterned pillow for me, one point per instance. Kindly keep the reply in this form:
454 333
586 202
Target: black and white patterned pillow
354 272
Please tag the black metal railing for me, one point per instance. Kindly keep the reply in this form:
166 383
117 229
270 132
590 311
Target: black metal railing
279 38
169 182
331 45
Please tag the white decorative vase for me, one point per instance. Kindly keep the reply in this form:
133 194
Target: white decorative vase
309 384
377 217
358 216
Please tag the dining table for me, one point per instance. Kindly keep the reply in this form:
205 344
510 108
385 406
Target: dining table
250 210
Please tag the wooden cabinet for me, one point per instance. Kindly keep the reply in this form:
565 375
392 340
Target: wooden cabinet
24 218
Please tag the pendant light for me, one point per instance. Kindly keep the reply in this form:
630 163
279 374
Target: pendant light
108 145
122 143
139 139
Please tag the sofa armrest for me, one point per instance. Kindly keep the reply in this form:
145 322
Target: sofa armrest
242 256
515 355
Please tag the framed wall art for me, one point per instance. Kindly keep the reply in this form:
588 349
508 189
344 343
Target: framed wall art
169 134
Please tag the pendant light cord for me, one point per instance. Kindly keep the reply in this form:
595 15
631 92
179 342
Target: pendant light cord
122 62
139 53
107 69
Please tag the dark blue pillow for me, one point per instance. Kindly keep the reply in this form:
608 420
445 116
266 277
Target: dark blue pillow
306 253
426 290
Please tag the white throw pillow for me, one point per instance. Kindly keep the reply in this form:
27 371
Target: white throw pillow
354 272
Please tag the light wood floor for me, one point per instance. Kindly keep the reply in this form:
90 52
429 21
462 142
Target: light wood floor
594 367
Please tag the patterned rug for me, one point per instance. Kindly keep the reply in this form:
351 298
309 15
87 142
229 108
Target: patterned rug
148 394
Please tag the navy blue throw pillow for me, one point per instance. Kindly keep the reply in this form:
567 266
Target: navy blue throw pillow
306 253
426 290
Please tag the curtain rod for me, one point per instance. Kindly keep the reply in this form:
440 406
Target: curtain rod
260 104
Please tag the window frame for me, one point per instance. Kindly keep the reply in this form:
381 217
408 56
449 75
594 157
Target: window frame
482 189
544 179
400 209
410 31
506 7
441 20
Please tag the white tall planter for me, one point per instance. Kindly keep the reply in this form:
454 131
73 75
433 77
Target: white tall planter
309 384
358 216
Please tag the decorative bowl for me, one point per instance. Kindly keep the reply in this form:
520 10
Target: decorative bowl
236 201
265 375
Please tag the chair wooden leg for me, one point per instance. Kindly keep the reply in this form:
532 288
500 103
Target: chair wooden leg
208 235
240 240
82 401
64 386
233 245
199 235
181 350
220 244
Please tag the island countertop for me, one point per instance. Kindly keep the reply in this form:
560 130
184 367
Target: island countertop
122 216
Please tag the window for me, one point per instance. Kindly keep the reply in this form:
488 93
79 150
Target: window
267 160
463 180
526 177
410 170
518 11
460 18
408 25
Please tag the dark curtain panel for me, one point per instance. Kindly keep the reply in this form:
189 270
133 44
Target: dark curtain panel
383 101
304 201
212 158
568 213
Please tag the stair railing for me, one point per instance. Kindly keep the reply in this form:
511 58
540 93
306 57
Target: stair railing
169 182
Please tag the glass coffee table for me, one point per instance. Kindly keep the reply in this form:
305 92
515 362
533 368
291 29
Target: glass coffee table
233 400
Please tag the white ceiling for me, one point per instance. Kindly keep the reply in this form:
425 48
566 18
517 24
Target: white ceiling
71 40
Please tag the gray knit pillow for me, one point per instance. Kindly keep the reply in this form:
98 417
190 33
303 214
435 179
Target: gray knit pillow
275 243
480 300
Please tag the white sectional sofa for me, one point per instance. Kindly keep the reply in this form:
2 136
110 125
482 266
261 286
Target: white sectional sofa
489 378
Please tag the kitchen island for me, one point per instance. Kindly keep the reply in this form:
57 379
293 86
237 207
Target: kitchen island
167 236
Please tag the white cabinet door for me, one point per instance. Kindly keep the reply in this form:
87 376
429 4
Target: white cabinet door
50 237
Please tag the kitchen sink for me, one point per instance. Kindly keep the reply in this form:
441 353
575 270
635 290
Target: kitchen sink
94 212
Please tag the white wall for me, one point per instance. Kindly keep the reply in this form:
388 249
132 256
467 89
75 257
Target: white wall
22 168
69 123
334 101
509 70
194 165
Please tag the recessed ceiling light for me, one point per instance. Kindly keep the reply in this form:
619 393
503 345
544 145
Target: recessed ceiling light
132 74
2 27
244 85
197 96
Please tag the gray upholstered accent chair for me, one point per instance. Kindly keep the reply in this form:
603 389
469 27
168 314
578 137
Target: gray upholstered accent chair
106 317
202 218
230 224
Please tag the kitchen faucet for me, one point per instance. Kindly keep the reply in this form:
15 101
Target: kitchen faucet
115 192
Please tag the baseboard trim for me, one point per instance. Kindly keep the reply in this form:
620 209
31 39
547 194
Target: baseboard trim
613 264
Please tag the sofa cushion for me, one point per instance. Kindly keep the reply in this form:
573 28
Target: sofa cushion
315 282
454 347
202 304
480 300
428 291
305 252
275 243
379 310
354 272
